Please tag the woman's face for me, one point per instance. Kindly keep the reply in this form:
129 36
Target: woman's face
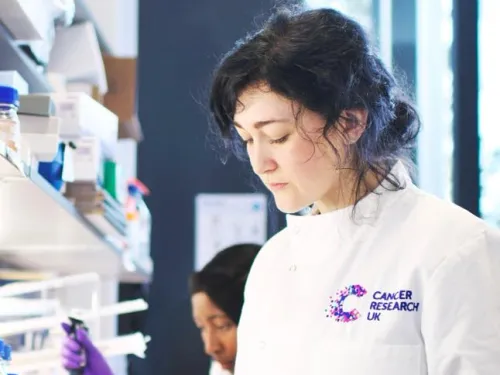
289 153
218 332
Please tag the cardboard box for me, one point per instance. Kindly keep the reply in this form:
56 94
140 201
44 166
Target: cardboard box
121 95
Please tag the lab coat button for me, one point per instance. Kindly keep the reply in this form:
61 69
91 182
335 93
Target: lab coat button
262 345
293 268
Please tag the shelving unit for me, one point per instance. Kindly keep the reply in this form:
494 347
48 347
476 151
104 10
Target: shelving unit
41 229
13 58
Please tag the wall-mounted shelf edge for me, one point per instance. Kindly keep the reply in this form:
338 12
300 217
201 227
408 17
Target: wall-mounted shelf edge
40 229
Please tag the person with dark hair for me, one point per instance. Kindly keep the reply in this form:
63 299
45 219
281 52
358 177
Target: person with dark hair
380 278
216 300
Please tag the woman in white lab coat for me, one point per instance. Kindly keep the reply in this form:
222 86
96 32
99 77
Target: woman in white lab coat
380 278
216 300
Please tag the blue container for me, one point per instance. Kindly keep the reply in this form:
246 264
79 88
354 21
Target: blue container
52 171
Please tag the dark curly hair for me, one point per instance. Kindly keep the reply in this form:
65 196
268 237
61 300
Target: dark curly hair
223 279
322 60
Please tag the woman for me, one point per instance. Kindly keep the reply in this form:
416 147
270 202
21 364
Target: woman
216 298
381 278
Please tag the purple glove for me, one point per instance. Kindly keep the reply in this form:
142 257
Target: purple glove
81 352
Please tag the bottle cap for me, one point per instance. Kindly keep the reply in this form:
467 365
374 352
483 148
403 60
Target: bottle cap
133 190
9 95
7 353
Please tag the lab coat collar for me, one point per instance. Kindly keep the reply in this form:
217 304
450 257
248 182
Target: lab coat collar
367 210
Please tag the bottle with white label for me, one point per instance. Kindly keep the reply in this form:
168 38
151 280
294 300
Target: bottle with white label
10 132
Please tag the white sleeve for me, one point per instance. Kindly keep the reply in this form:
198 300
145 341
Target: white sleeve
461 312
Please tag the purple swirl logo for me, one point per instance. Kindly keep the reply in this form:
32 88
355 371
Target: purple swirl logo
336 307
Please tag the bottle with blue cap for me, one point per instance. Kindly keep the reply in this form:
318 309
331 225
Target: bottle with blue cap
3 367
5 357
10 129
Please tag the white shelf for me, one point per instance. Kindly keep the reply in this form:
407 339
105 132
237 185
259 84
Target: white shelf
13 58
41 230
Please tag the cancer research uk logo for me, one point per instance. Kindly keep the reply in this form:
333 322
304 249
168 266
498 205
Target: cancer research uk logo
401 300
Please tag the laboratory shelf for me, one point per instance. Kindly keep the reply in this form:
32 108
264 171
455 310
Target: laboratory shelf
41 230
14 58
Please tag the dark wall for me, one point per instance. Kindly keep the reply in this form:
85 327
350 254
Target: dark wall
179 45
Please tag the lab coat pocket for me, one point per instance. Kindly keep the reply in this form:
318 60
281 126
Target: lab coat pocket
336 358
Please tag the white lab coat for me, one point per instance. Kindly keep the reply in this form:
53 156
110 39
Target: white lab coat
216 369
418 283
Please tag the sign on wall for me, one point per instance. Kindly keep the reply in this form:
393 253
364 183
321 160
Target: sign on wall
222 220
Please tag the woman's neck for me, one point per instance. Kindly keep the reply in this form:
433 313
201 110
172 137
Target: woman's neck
347 192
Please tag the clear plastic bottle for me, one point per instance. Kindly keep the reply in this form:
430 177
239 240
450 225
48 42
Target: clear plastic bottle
3 363
3 367
10 129
6 357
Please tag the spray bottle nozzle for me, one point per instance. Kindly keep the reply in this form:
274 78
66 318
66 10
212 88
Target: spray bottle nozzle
75 325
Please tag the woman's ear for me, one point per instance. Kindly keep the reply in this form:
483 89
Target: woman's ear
353 122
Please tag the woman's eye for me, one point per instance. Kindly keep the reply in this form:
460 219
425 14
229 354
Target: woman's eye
280 140
225 327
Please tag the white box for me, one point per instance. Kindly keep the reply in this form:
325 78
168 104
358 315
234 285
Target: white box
85 88
126 157
118 21
57 81
28 20
86 159
81 115
76 54
41 134
14 79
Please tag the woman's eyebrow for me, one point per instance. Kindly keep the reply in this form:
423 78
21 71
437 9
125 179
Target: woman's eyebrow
260 124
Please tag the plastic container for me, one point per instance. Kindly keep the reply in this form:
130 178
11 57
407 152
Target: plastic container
3 365
138 218
5 357
52 171
10 129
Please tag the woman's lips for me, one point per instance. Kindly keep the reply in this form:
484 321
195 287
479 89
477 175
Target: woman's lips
277 186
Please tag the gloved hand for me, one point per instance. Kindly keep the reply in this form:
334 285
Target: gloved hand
81 352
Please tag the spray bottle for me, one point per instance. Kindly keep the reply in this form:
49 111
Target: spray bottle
135 216
75 325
